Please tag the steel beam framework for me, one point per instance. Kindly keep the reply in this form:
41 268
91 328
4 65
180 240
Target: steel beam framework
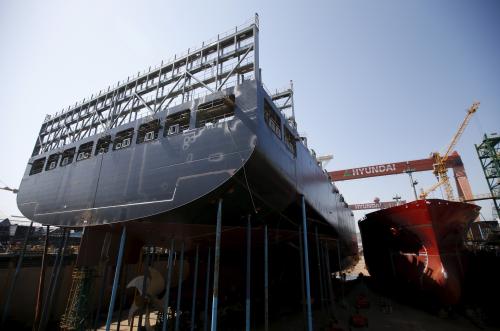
224 62
489 156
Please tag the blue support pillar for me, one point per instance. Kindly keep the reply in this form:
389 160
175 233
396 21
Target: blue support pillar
266 280
56 269
248 282
116 280
195 286
329 276
144 283
179 290
16 275
41 281
207 290
167 285
306 266
319 257
215 298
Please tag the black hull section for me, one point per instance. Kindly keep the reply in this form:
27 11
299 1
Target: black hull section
177 178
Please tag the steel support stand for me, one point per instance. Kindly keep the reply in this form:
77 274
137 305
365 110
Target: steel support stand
207 290
215 298
266 280
248 280
144 284
41 281
329 276
101 295
195 286
167 286
123 296
302 277
47 306
320 271
104 257
306 266
179 290
16 275
116 279
340 270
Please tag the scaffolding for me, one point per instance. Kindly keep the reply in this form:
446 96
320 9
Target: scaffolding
75 316
489 156
226 61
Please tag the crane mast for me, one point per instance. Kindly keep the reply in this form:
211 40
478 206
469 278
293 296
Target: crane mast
440 169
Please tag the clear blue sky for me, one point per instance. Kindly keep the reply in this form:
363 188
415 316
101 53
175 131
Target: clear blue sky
375 81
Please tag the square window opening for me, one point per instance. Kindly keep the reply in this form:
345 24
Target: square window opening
103 145
148 131
85 151
272 119
52 162
37 166
177 123
67 156
123 139
216 111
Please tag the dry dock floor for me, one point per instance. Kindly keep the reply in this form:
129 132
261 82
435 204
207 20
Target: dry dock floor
383 314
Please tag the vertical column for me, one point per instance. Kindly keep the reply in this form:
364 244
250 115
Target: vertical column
215 298
56 269
340 269
329 275
195 285
104 264
266 280
117 278
41 281
167 286
302 277
256 68
249 249
144 283
320 271
123 296
306 266
179 290
101 295
207 290
16 274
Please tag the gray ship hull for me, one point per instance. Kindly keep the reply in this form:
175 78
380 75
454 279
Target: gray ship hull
176 178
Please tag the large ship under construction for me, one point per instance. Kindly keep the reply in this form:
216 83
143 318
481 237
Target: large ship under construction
195 152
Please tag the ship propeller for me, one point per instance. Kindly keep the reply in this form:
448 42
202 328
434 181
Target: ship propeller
155 285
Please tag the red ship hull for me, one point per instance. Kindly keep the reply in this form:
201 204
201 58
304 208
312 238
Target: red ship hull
418 245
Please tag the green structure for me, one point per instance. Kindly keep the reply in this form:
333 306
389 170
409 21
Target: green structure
489 156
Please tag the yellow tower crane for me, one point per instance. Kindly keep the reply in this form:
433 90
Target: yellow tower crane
440 169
